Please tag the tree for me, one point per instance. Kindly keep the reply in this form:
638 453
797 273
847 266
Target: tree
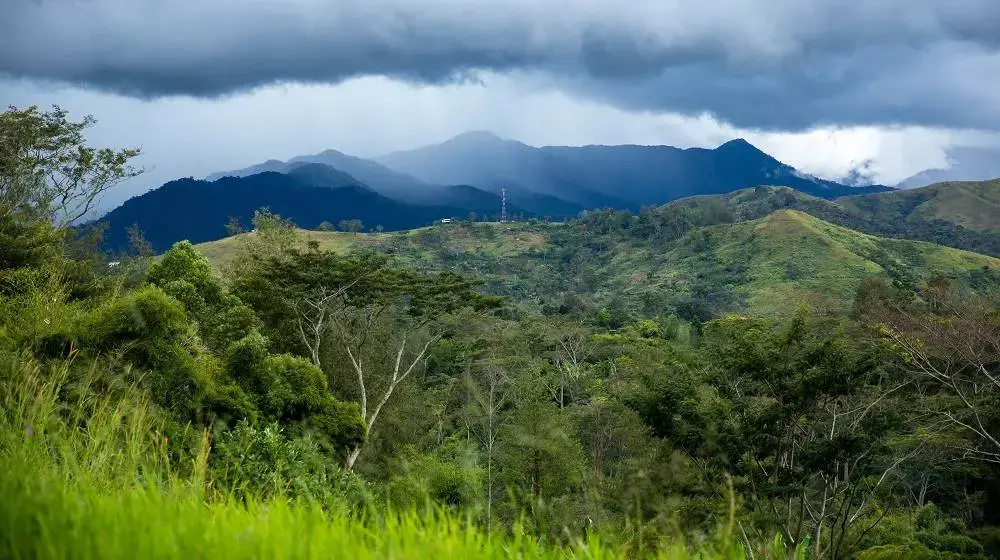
407 303
234 226
138 245
351 226
325 226
487 412
572 348
358 307
47 170
271 236
953 347
472 216
185 274
808 426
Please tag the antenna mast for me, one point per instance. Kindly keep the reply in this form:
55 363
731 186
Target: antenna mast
503 204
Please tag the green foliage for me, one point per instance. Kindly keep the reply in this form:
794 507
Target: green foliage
183 263
353 225
136 321
27 244
106 490
251 462
47 171
294 392
924 533
185 275
452 478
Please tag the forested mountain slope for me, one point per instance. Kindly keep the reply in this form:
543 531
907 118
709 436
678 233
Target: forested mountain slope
308 193
960 215
972 205
762 266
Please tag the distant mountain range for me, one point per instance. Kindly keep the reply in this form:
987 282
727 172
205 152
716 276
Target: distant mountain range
309 194
626 176
451 179
967 163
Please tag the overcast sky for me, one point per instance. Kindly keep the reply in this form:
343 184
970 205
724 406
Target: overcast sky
206 85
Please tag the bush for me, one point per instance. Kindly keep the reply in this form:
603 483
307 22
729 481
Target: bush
183 262
452 478
146 314
179 381
261 461
292 390
337 425
244 364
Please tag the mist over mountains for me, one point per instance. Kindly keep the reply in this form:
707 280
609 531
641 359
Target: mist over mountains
459 178
967 163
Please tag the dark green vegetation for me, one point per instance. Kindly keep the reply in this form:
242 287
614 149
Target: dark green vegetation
372 394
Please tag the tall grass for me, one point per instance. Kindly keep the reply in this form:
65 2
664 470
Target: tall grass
85 473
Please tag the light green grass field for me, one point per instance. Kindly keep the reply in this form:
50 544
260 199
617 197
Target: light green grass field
92 480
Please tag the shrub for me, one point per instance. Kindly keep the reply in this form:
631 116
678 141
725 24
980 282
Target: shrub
144 315
261 461
183 262
292 390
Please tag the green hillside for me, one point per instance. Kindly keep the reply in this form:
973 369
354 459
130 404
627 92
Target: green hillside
961 215
790 256
764 265
973 205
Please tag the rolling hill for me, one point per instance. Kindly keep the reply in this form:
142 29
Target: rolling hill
761 266
961 215
790 256
972 205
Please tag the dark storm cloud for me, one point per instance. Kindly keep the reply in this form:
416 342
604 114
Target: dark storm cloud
781 64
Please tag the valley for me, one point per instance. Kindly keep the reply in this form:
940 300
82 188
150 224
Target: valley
659 353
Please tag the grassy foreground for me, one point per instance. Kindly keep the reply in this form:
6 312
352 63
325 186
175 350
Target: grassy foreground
84 475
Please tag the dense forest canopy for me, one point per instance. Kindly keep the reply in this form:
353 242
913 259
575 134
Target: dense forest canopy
387 396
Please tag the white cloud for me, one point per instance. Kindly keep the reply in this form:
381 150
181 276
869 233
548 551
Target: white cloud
370 116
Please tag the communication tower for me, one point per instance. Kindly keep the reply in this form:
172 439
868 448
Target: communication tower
503 204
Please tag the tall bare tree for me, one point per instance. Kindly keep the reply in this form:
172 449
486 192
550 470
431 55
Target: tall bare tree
572 348
378 318
486 414
952 345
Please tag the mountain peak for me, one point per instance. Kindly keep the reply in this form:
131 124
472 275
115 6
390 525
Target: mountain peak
479 135
743 150
738 144
478 138
329 152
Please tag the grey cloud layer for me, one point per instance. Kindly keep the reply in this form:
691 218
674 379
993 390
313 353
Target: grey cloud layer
780 64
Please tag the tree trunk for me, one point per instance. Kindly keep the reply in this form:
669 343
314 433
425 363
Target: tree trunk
352 457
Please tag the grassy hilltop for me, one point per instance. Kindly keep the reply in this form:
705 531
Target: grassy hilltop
764 266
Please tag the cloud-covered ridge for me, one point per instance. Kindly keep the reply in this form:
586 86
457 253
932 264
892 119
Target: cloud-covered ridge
782 64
